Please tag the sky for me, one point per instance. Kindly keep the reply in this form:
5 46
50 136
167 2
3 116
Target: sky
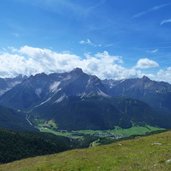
108 38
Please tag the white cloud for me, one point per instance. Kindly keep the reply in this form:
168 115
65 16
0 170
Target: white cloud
165 21
145 63
29 61
86 42
155 8
89 42
164 75
106 66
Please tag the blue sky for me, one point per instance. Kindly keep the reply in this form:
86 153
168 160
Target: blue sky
131 29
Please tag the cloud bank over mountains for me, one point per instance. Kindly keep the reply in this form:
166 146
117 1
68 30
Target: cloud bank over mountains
28 60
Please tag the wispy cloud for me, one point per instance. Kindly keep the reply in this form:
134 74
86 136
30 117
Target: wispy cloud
109 45
153 51
155 8
58 6
92 8
166 21
89 42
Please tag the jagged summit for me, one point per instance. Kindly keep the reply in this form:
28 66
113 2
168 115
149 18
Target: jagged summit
77 70
145 78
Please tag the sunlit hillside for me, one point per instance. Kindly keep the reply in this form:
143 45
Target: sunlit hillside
151 153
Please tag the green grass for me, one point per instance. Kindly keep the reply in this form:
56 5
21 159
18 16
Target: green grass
60 133
135 130
113 134
150 153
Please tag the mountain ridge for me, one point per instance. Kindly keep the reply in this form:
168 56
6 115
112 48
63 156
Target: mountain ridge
78 83
76 90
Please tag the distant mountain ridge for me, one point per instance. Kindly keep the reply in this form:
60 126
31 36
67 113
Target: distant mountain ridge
8 83
48 96
157 94
42 88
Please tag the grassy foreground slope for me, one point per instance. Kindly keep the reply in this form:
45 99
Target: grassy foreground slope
150 153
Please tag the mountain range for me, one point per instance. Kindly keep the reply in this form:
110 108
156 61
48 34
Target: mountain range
76 100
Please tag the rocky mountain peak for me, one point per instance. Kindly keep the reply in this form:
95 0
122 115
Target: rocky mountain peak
77 71
145 78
